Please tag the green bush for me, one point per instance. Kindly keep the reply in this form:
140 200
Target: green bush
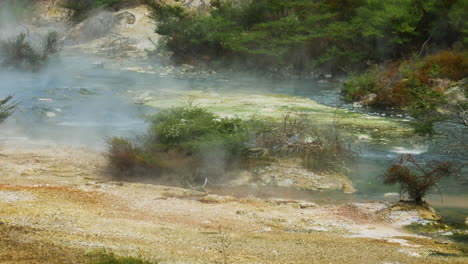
196 130
193 144
18 52
359 85
181 140
424 127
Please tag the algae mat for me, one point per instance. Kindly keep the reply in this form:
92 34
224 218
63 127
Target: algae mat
272 106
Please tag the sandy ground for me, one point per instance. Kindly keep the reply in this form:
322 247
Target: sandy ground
58 204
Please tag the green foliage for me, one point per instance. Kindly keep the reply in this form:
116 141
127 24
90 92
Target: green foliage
110 258
424 127
363 84
7 107
20 53
193 144
181 140
196 130
306 34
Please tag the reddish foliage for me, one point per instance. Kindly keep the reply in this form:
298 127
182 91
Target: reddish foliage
452 65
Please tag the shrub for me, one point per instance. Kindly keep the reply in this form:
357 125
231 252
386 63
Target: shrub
425 126
194 144
123 153
51 43
321 150
359 85
20 53
7 107
416 181
412 84
446 64
328 152
196 130
183 140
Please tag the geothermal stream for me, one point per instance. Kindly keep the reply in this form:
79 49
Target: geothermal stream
80 100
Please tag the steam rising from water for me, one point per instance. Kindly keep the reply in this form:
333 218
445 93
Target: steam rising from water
74 102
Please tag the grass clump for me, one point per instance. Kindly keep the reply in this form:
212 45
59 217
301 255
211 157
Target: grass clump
19 53
111 258
193 145
7 107
415 180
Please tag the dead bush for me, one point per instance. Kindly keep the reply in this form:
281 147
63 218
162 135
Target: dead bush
321 149
415 180
122 153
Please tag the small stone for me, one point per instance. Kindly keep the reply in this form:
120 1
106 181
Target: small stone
50 114
364 137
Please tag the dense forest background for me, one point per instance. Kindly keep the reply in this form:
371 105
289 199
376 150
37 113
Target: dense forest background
335 35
